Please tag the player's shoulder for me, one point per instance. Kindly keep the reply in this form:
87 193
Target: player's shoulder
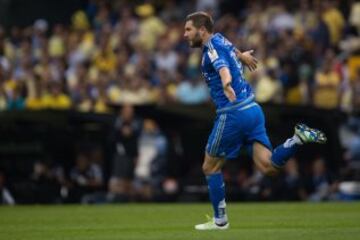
216 47
215 42
218 41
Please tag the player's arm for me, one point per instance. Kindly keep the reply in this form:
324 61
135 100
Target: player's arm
221 65
247 58
226 82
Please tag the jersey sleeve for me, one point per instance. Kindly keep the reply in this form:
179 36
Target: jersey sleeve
218 57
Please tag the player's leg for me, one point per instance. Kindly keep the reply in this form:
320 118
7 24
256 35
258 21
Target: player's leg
221 142
270 162
262 159
212 170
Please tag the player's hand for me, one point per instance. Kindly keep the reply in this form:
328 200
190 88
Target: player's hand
230 93
248 59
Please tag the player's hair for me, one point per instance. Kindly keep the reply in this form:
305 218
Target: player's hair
200 19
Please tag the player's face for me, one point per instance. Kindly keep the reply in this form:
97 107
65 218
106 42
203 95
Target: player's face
192 35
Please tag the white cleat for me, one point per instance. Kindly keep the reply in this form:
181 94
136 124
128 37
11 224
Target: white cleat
211 225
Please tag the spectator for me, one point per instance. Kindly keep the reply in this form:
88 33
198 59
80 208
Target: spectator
35 100
56 99
281 20
5 195
350 140
16 101
356 92
193 91
292 186
320 35
45 185
150 170
166 58
86 178
334 20
327 81
207 5
150 28
354 18
3 99
126 133
268 88
305 18
57 48
104 59
172 11
320 185
251 185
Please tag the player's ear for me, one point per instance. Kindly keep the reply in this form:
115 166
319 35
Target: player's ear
202 30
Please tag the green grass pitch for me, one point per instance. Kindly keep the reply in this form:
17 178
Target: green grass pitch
253 221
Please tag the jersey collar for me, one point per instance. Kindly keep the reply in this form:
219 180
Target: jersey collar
208 43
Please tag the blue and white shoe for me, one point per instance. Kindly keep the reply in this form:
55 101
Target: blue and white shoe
309 135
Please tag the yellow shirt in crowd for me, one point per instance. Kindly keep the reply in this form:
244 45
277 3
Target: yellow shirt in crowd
326 93
335 22
60 101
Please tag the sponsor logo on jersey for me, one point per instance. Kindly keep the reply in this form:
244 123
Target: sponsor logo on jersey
213 55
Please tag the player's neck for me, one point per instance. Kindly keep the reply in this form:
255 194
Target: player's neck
207 38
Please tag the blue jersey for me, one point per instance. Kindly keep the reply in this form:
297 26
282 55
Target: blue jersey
218 52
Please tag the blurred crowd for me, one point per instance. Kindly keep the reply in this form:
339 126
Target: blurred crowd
116 52
122 53
138 169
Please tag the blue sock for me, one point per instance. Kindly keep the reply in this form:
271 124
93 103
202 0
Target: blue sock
217 196
283 152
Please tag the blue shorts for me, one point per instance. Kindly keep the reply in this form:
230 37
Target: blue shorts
236 128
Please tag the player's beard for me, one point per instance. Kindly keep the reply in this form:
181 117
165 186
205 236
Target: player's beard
196 42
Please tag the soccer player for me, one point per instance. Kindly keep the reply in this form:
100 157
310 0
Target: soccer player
239 120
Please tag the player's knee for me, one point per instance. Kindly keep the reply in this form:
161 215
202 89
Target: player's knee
265 167
268 169
209 169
